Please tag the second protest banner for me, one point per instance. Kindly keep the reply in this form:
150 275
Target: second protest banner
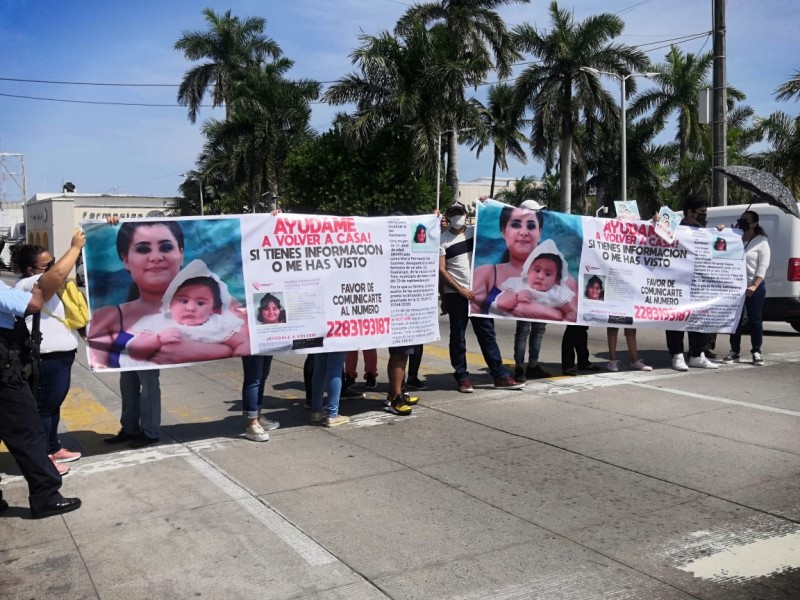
549 266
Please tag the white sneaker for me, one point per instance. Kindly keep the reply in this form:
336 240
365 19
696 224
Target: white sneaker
613 366
256 433
640 366
267 424
757 359
701 362
679 362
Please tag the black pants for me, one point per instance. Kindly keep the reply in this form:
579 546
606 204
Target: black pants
21 431
697 342
575 341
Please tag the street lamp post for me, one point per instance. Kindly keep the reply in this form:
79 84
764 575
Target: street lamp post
623 118
200 186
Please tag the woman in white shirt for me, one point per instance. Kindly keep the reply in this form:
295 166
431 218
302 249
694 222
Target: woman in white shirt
59 344
756 257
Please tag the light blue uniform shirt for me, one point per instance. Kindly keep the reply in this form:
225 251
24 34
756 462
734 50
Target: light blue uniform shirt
13 303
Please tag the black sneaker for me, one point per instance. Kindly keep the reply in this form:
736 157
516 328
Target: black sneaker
519 374
371 382
348 382
121 437
143 441
587 367
401 405
414 383
536 372
350 394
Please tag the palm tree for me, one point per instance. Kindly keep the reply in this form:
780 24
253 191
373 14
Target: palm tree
782 159
231 46
502 118
395 85
269 115
680 80
476 41
558 90
790 89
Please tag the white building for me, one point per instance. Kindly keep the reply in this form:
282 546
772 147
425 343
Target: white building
470 191
51 219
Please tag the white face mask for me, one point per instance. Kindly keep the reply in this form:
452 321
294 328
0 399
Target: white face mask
458 221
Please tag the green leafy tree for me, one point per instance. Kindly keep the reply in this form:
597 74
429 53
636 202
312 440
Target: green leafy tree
476 41
559 91
327 175
229 47
790 89
782 158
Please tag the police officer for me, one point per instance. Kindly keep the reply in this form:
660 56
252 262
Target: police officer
20 427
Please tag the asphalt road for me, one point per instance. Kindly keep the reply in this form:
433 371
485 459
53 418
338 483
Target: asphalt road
627 485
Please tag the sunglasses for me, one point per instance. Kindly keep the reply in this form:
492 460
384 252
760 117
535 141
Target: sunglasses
45 268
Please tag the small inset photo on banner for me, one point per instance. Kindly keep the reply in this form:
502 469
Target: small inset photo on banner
269 308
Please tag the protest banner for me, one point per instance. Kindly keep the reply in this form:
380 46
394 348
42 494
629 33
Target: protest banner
169 292
548 266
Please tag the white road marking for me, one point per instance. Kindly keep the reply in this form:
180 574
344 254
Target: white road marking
304 546
749 560
780 411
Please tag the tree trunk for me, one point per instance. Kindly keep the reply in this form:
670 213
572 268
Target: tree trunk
566 171
494 172
452 163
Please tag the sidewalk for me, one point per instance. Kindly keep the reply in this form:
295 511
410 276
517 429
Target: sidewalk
601 486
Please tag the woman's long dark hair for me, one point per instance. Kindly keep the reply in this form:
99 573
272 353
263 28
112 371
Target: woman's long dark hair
23 257
592 280
265 302
505 217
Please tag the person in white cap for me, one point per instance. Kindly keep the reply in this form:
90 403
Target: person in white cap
455 270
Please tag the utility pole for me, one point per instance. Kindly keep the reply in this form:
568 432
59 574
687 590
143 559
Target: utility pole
719 120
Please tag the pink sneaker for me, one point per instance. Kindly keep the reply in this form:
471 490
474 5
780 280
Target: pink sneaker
639 365
63 470
65 456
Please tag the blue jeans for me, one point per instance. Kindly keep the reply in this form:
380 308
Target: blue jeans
531 335
55 375
256 370
754 306
141 402
327 378
458 309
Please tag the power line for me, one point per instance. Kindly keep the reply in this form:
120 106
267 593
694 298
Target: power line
89 83
672 41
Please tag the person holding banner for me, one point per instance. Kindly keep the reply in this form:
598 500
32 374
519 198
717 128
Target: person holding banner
455 260
756 257
695 214
152 252
59 343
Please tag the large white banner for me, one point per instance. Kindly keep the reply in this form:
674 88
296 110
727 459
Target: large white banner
548 266
166 292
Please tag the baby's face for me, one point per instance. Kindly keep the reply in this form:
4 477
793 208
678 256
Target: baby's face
542 274
192 305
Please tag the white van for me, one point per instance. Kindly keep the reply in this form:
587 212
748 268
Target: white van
783 275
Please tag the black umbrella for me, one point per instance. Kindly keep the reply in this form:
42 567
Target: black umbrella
764 185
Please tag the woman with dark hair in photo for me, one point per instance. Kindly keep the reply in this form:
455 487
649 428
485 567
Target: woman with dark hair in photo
594 288
421 234
59 344
270 310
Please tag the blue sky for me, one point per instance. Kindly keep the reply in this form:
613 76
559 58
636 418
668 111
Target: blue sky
142 150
